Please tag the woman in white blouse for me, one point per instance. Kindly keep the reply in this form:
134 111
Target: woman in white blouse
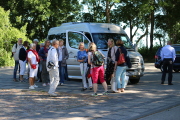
33 60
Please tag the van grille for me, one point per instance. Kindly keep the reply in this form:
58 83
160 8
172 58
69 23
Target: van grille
134 62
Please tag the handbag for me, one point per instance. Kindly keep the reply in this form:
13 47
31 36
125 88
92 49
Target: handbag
113 84
33 66
121 59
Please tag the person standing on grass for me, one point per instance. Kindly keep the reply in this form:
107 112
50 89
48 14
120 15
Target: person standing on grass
43 52
15 53
33 60
82 57
22 59
97 71
52 57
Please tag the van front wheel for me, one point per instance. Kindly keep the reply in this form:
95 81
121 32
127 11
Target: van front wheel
134 81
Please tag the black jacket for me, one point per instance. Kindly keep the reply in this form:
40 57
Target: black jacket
22 54
127 59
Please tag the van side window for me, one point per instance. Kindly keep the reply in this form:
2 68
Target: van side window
74 39
88 36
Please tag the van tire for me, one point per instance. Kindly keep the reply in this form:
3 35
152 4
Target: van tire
134 81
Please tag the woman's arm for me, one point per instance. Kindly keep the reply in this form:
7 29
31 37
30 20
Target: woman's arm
89 59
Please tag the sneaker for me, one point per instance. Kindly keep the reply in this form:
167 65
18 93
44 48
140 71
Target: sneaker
61 84
52 94
94 94
35 86
44 84
48 83
31 87
105 93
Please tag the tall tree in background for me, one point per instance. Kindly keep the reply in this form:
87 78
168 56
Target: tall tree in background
169 19
40 15
100 9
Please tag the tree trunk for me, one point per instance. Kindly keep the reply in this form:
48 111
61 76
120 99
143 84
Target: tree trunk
107 12
131 27
152 27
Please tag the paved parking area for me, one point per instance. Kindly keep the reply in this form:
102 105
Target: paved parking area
142 101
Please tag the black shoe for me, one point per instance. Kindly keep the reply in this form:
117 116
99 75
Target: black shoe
162 83
90 88
170 84
83 89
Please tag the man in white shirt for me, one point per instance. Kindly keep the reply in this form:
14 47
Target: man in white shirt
168 56
15 51
53 71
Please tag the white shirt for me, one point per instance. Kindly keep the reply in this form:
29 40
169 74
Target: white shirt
16 51
60 53
32 57
53 57
168 52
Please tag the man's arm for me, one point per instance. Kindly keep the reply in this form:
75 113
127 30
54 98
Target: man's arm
174 55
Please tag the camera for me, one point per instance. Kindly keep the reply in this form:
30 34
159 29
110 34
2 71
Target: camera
50 65
84 57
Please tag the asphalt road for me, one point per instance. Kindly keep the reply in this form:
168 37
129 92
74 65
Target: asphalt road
147 100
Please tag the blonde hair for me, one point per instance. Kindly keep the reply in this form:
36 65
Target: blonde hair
92 47
81 43
112 41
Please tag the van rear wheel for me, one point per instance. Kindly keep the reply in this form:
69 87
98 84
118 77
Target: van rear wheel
134 81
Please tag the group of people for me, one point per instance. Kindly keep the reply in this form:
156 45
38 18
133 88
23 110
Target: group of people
36 56
90 62
39 57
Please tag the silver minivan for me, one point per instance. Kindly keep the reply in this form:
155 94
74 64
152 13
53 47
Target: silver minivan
73 33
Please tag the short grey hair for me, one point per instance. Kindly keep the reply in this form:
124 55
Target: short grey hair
42 44
54 41
32 45
35 40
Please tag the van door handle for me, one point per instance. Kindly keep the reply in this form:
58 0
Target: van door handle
71 52
75 56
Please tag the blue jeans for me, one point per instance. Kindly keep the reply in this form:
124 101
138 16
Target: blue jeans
61 72
15 68
120 76
66 73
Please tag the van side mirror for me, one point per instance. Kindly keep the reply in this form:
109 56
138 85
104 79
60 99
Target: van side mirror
135 47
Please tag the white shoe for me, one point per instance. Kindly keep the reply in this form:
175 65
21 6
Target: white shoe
44 84
31 87
35 86
53 94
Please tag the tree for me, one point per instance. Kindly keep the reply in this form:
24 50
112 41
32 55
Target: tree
100 9
8 36
41 15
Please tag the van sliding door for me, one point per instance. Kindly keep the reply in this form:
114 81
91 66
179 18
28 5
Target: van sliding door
73 39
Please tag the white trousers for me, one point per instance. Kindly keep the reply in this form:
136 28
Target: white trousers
54 80
22 67
33 72
83 68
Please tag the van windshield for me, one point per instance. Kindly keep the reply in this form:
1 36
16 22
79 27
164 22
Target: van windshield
101 39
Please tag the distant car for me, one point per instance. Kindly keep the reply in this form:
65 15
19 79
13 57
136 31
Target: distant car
176 65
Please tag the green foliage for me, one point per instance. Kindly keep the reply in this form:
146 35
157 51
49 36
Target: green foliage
148 54
8 36
41 15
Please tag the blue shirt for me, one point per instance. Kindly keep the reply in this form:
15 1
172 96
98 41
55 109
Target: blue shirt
82 55
168 52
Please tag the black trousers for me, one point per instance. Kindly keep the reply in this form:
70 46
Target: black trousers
167 68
